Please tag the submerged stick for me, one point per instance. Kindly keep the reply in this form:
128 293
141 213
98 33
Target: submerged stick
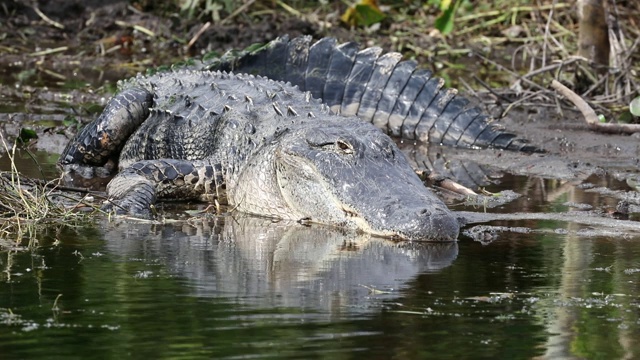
471 217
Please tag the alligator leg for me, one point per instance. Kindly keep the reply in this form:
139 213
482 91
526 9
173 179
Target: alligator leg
98 145
135 189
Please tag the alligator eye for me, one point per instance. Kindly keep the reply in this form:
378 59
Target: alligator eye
339 146
344 146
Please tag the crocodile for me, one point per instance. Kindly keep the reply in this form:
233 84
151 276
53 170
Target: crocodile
282 150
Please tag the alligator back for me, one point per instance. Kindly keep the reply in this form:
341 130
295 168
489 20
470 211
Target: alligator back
394 95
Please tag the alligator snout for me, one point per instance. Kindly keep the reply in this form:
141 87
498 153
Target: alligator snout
426 224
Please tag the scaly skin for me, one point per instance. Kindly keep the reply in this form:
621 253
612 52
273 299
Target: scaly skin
259 145
265 146
394 95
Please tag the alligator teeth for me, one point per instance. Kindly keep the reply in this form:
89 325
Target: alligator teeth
349 213
277 109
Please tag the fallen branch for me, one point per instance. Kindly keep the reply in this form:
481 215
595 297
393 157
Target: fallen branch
446 183
590 116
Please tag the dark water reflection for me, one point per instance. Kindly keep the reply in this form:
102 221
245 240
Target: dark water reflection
259 262
247 287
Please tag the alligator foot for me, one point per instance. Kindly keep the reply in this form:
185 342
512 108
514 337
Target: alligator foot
132 195
134 190
100 142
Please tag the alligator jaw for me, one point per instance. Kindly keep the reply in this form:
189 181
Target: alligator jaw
353 216
374 194
441 227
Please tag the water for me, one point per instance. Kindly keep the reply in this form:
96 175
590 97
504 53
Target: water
246 287
241 287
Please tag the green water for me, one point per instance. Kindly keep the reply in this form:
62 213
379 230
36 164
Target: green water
250 288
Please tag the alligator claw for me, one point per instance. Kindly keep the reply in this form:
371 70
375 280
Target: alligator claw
130 195
127 207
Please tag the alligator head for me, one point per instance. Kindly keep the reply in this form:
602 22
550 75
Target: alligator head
345 173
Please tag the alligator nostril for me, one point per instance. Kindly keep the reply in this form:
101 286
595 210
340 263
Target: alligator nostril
424 212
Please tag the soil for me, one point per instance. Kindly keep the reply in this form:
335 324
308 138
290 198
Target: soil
101 37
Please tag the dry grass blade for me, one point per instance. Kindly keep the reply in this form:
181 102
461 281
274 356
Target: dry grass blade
26 206
539 43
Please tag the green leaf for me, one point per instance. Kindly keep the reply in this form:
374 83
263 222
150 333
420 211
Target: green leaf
25 75
365 13
634 106
27 134
210 56
625 118
444 22
70 121
368 15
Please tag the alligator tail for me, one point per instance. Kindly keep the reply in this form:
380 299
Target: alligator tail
392 94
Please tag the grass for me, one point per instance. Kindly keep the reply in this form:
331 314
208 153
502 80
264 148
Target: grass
29 206
512 49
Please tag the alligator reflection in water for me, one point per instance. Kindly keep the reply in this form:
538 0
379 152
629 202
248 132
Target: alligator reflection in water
257 260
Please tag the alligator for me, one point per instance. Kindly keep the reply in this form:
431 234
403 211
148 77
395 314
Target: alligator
394 95
283 149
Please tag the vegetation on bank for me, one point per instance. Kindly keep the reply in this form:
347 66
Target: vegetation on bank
520 47
28 206
511 50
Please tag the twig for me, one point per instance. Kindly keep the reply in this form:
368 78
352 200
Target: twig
520 101
48 184
50 51
195 37
46 18
545 43
489 89
445 183
139 28
589 115
554 66
289 9
515 9
503 68
572 217
237 11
